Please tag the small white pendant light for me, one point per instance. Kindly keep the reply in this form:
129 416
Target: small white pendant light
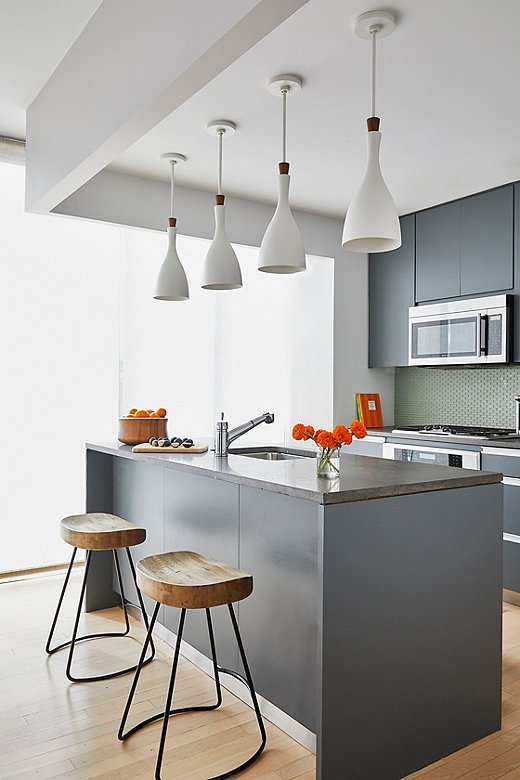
282 250
372 224
221 268
172 284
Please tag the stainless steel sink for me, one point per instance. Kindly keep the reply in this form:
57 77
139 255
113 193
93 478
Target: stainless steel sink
270 453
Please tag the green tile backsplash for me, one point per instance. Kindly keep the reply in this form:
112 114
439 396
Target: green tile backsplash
456 396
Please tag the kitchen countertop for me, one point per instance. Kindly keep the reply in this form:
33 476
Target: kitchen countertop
506 443
362 477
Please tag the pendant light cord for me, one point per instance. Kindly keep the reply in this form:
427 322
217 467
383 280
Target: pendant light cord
373 31
172 188
284 92
220 135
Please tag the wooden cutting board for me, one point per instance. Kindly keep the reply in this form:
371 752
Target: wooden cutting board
148 448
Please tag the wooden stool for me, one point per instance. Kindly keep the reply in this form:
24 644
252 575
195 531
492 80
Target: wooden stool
188 580
98 531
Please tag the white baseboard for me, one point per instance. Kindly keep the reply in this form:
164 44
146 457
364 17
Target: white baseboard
272 713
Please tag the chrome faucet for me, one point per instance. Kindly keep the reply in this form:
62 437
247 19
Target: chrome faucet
223 437
517 414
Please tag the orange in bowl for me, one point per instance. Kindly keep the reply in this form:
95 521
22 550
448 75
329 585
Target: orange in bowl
142 413
132 411
161 412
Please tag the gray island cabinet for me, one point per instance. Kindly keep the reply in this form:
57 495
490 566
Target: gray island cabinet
375 620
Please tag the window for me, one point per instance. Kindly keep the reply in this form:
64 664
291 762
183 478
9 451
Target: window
265 347
83 340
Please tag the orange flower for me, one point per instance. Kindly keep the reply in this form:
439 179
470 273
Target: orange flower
342 434
309 432
358 429
326 439
320 430
298 432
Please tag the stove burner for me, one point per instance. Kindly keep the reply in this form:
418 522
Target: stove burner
479 432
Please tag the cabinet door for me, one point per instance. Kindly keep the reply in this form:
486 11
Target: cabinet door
486 264
516 263
512 508
391 293
437 258
201 514
512 566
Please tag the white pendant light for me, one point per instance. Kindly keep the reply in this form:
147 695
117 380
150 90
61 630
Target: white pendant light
282 250
372 224
172 284
221 268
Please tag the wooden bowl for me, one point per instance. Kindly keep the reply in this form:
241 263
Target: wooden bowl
138 430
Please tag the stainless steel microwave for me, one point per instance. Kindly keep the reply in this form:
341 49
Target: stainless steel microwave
477 330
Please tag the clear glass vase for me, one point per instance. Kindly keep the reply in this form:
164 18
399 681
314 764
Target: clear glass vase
328 462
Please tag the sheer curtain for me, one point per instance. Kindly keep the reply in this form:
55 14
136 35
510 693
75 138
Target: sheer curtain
59 336
83 340
265 347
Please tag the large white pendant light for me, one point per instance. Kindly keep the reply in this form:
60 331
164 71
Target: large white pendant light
372 224
221 268
172 284
282 250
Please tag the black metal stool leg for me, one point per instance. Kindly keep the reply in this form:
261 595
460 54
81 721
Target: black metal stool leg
75 638
78 615
141 602
251 687
168 711
121 735
214 658
58 608
122 594
169 695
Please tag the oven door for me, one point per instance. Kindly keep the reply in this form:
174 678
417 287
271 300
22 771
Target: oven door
433 456
447 339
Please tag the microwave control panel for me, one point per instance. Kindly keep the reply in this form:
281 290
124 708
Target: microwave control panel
494 335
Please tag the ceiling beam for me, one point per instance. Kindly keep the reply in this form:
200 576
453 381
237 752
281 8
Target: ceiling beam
133 64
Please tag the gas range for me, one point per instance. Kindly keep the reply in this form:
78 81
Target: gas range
471 431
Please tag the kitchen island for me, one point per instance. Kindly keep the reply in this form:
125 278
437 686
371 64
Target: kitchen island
375 620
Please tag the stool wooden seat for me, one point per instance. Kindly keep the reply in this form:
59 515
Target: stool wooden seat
188 580
96 532
100 531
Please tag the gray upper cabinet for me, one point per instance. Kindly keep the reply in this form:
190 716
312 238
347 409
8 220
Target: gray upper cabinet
391 292
486 260
465 247
438 253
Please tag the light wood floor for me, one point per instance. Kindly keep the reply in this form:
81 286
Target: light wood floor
50 728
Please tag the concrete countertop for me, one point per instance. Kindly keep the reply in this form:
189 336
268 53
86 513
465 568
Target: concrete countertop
362 478
511 443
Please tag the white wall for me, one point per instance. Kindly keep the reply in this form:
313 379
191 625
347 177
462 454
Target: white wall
131 200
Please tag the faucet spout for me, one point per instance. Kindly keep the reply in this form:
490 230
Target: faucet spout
223 437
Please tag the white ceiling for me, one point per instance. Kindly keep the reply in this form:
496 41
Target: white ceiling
34 36
448 81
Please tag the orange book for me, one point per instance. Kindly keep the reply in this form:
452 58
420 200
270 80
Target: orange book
369 409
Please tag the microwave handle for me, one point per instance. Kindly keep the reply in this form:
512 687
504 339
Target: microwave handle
483 334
